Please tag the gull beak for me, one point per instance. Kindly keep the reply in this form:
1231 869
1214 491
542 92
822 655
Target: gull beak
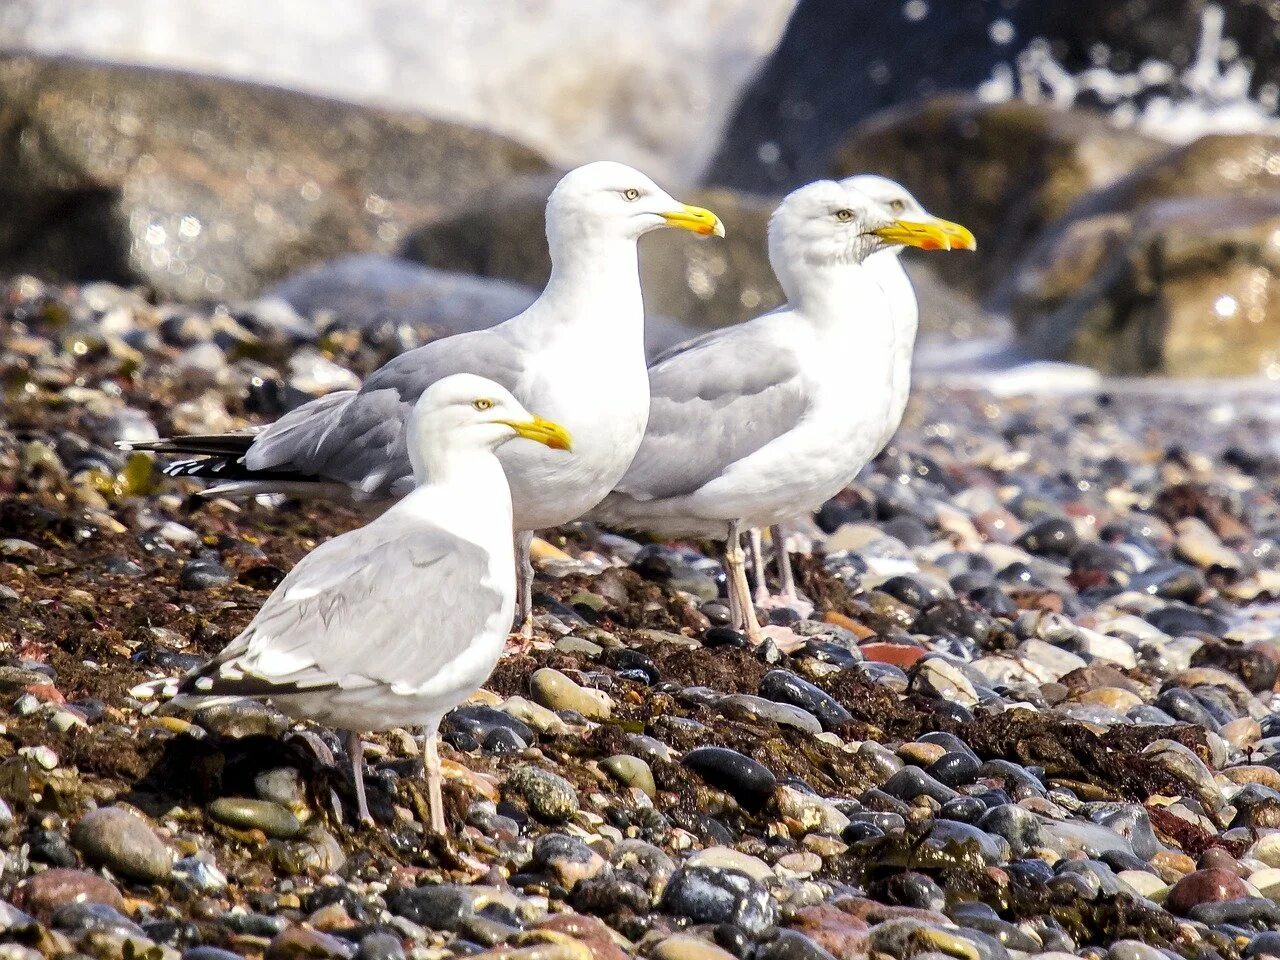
700 221
932 234
542 431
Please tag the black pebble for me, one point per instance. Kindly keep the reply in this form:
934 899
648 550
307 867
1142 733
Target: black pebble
724 637
732 938
1180 621
713 895
51 847
204 575
791 945
380 945
964 809
747 781
502 740
634 662
955 769
782 686
910 590
1053 536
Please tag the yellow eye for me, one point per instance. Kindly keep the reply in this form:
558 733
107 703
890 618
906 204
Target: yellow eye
897 206
631 193
844 216
482 404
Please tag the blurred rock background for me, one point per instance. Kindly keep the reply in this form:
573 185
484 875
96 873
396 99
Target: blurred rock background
1118 161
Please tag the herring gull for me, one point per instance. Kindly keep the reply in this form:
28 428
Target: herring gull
576 354
754 424
904 313
396 623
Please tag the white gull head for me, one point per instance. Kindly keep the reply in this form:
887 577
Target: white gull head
465 414
610 200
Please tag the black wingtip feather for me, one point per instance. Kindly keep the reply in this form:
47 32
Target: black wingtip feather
247 686
208 445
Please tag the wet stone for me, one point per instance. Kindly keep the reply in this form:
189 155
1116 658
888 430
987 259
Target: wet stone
785 687
791 945
688 947
304 943
1180 621
43 893
380 946
245 814
554 690
1053 536
747 781
1204 886
911 782
631 772
80 917
741 705
205 575
955 769
714 895
242 718
479 722
569 859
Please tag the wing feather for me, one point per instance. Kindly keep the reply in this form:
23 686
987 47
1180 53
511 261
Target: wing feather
374 606
358 437
716 399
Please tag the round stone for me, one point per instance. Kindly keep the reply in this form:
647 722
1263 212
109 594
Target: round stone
714 895
631 772
1205 886
124 843
549 796
1053 536
245 814
554 690
47 891
748 782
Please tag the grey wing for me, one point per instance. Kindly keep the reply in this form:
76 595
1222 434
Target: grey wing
360 610
358 437
715 400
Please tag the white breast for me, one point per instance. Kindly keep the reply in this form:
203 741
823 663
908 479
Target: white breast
604 406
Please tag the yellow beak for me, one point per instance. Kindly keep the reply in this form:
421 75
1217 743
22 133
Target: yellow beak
932 234
700 221
542 431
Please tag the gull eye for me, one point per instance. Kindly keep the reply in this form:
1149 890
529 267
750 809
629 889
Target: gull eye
482 404
897 206
844 216
631 193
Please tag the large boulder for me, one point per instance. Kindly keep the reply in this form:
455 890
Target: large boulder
1004 170
1173 270
842 61
649 83
370 289
203 187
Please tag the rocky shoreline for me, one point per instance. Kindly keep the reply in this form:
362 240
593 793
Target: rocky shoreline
1032 713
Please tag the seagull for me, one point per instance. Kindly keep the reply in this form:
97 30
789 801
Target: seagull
886 266
577 354
753 424
396 623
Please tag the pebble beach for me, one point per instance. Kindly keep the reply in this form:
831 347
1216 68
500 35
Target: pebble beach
1029 715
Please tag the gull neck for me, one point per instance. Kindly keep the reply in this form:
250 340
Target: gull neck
464 490
827 292
594 271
